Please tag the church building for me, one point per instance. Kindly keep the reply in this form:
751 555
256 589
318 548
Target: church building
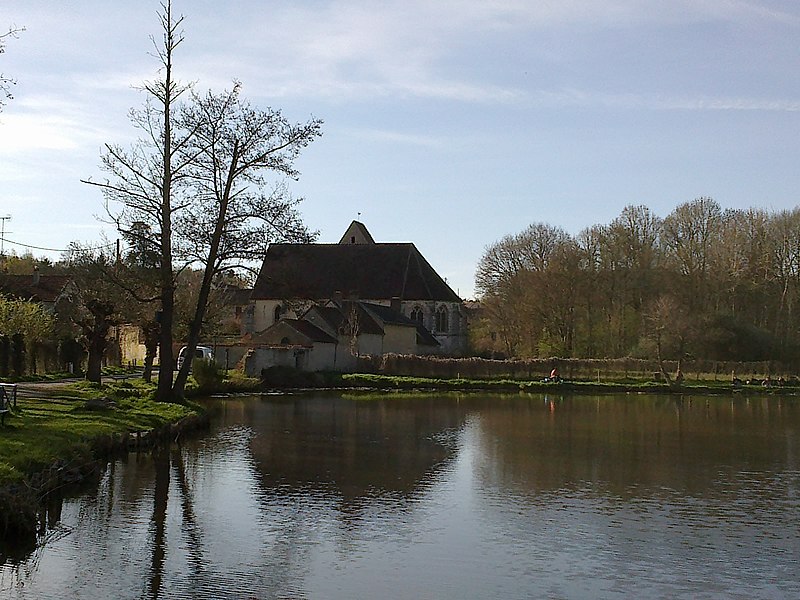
391 283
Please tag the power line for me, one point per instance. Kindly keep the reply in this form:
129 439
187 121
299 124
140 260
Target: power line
50 249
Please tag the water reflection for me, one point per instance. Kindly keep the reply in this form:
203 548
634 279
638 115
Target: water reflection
460 496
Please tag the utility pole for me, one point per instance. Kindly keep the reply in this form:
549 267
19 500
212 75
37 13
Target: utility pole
3 233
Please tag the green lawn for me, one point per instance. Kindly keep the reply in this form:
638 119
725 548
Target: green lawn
57 425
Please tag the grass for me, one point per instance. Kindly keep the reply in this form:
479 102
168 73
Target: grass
57 425
700 386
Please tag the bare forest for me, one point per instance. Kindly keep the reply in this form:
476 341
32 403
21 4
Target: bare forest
702 282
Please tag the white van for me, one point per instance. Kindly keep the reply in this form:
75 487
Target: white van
201 352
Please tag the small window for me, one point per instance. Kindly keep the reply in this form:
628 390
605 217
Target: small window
277 314
416 314
285 341
441 319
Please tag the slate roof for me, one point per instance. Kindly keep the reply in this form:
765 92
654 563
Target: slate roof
364 271
45 288
338 318
387 314
273 334
311 331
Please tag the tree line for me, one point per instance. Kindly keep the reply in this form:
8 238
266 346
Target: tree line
701 282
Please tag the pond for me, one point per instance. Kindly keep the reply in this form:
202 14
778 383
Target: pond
442 496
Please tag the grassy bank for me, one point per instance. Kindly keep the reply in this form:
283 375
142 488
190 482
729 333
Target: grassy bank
59 433
624 385
291 378
61 423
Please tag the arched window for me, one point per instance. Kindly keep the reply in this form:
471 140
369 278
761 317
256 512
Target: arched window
285 341
416 314
277 314
441 319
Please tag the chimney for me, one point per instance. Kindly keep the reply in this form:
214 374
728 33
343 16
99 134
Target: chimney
36 275
396 305
337 297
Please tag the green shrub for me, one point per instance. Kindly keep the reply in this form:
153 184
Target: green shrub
207 374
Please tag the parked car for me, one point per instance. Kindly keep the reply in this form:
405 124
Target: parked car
201 352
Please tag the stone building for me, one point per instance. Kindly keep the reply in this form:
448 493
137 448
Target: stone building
296 277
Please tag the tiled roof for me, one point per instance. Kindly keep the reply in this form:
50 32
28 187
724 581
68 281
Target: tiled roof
363 271
387 314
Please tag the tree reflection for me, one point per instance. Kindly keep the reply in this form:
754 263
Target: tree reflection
624 446
190 525
161 462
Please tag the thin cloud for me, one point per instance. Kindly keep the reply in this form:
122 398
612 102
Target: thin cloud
630 101
397 137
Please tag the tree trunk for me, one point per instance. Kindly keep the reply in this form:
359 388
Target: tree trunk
196 326
151 332
97 347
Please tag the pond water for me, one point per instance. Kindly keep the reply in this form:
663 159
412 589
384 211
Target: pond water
442 496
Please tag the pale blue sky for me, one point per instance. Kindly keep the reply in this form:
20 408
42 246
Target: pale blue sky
447 123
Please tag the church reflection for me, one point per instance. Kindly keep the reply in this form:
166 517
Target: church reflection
352 448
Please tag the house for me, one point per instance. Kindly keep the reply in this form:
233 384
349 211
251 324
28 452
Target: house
296 277
53 293
45 290
332 335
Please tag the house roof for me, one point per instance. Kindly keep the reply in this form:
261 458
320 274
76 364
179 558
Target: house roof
38 288
311 331
236 296
276 332
338 318
425 337
364 271
390 316
387 314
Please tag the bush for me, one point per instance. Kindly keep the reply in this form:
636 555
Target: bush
207 374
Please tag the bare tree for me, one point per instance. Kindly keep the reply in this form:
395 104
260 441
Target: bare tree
7 82
669 329
236 210
194 189
146 181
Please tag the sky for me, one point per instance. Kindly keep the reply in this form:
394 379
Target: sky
447 123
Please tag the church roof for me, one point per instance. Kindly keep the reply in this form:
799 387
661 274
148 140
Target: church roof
365 271
357 233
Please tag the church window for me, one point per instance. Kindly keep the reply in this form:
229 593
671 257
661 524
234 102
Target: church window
277 314
416 314
441 319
